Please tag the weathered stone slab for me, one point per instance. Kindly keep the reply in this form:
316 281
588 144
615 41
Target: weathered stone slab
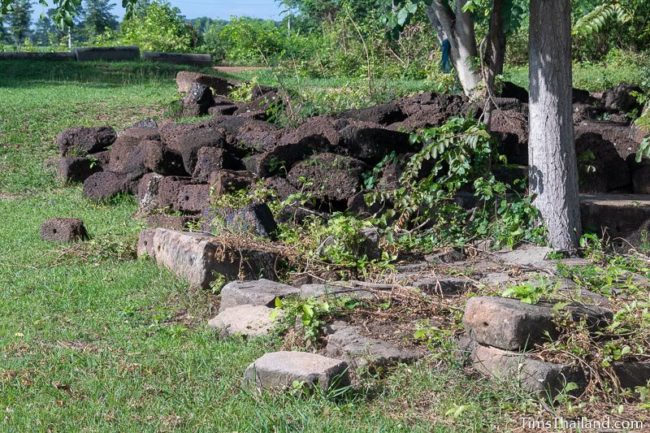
508 323
513 325
221 86
622 215
257 292
199 258
279 371
532 375
529 255
246 320
347 342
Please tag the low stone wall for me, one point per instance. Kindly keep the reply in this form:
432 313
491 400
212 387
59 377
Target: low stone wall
114 54
106 53
37 56
178 58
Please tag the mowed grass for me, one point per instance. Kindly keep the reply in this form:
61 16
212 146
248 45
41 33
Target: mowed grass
94 340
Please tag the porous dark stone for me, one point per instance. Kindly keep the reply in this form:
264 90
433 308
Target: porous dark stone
620 98
330 176
580 96
316 135
126 160
102 159
63 230
227 181
104 185
622 137
641 179
193 198
257 136
603 169
189 139
281 186
256 219
510 130
76 169
370 142
632 374
369 246
198 100
511 90
431 110
160 159
208 160
618 215
222 110
83 141
383 114
168 190
137 134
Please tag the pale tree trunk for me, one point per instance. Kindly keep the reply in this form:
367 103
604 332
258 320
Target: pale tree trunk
552 156
458 28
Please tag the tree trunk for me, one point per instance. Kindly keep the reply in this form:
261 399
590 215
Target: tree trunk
496 43
495 55
458 28
552 156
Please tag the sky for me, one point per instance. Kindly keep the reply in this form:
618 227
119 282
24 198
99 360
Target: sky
213 8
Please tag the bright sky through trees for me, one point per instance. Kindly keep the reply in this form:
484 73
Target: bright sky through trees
212 8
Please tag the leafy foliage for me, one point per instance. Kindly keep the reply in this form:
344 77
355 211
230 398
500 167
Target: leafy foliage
159 27
19 20
97 18
455 159
596 20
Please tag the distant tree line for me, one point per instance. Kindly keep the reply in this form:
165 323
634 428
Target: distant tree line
93 18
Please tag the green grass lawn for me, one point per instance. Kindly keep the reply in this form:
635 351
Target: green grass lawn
93 340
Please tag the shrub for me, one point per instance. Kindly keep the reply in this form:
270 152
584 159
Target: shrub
159 27
246 41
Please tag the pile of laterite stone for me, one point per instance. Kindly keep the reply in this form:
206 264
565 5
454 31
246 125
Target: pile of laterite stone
178 169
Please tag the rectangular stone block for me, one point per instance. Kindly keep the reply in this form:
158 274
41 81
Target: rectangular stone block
200 258
532 375
89 54
508 323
